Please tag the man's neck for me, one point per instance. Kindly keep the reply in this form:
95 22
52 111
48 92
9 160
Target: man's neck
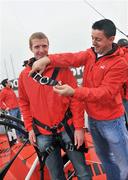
106 51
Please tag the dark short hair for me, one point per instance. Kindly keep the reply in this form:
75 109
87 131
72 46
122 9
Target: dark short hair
105 25
4 82
122 42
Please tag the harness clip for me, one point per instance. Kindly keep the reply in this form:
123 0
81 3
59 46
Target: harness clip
49 149
69 147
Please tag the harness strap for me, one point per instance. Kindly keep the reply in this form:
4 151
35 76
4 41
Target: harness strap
42 157
44 80
53 129
38 123
126 119
55 73
68 129
41 163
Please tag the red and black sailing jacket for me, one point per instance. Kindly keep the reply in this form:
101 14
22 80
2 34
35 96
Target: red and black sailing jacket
102 80
41 102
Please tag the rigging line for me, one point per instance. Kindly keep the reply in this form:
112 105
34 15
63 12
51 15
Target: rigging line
8 165
6 68
28 157
13 70
85 1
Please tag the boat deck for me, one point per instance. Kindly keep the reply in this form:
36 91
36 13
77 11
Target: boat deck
22 164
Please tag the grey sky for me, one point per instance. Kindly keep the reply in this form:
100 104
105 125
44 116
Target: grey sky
66 23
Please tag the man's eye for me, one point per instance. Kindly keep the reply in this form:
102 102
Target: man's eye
98 39
36 47
44 46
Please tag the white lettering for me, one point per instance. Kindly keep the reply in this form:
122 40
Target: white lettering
44 80
37 75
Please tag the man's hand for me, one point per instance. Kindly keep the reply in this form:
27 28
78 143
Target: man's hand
32 138
40 65
79 137
64 90
7 109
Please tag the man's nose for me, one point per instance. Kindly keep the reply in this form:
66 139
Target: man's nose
94 42
41 49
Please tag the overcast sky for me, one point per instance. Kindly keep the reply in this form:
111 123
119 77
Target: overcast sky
67 24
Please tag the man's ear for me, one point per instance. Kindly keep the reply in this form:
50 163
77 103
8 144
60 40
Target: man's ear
112 38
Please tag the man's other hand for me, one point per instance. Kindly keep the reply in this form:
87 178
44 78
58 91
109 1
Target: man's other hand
79 137
32 138
64 90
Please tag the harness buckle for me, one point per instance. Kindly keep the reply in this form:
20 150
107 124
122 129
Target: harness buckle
49 149
69 147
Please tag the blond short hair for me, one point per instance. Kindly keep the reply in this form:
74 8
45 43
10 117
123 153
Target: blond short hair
37 35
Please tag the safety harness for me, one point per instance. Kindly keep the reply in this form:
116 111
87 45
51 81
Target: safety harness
44 80
58 141
55 128
54 131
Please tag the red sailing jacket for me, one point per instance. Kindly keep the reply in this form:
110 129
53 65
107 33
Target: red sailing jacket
41 102
8 97
102 81
124 91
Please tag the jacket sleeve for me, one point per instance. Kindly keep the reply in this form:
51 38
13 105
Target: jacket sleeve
24 104
76 106
69 59
109 87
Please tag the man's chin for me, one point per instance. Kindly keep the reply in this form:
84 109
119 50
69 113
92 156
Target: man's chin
97 50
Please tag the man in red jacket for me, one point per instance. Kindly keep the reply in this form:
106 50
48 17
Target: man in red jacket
9 102
123 43
43 110
105 72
